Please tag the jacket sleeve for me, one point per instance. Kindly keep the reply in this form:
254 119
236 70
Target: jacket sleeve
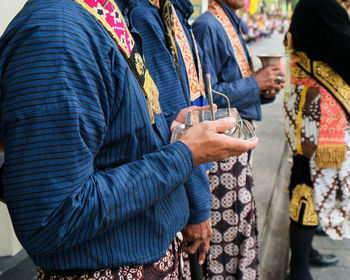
241 92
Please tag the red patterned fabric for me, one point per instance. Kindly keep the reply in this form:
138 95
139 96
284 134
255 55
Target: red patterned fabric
195 79
221 16
110 13
167 268
331 144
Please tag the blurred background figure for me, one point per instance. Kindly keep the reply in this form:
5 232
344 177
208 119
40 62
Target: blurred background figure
346 5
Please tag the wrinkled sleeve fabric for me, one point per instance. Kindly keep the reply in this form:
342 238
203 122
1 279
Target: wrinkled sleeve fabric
161 67
55 113
221 64
215 45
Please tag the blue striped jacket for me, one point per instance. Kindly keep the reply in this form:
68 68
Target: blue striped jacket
173 94
222 65
89 182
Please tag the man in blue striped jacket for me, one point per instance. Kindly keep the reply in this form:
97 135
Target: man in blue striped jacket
173 59
93 186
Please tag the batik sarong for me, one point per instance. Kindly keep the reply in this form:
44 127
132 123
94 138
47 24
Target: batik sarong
233 252
167 268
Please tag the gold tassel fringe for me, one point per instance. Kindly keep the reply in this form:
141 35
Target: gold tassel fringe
330 157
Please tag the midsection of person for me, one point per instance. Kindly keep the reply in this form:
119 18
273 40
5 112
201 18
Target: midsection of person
94 97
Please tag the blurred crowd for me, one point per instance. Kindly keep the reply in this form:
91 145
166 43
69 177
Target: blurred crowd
255 27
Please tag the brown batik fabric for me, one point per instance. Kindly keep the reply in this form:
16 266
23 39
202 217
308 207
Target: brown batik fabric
310 121
233 251
167 268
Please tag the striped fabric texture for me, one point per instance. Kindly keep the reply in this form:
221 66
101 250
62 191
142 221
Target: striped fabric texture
88 180
173 95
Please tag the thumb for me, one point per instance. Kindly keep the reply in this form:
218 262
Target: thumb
223 124
205 108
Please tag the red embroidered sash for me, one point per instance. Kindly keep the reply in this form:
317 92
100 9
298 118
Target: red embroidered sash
236 44
331 146
195 79
109 15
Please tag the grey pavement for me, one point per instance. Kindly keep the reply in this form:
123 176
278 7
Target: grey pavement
19 267
340 248
271 176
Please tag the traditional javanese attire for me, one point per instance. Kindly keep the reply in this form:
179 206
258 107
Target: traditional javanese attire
174 89
317 106
172 57
317 125
93 187
227 59
234 247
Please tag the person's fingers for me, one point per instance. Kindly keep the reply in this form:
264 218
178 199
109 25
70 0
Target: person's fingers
268 95
242 145
278 88
203 252
191 249
195 108
174 124
222 125
235 146
205 108
208 144
188 235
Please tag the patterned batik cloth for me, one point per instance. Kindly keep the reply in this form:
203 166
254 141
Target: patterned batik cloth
167 268
332 195
303 137
233 252
331 186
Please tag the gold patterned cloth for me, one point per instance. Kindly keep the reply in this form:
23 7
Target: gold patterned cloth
302 208
111 18
175 36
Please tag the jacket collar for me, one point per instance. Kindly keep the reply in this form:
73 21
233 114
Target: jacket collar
185 7
231 14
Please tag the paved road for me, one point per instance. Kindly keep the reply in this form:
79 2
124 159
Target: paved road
340 248
271 175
